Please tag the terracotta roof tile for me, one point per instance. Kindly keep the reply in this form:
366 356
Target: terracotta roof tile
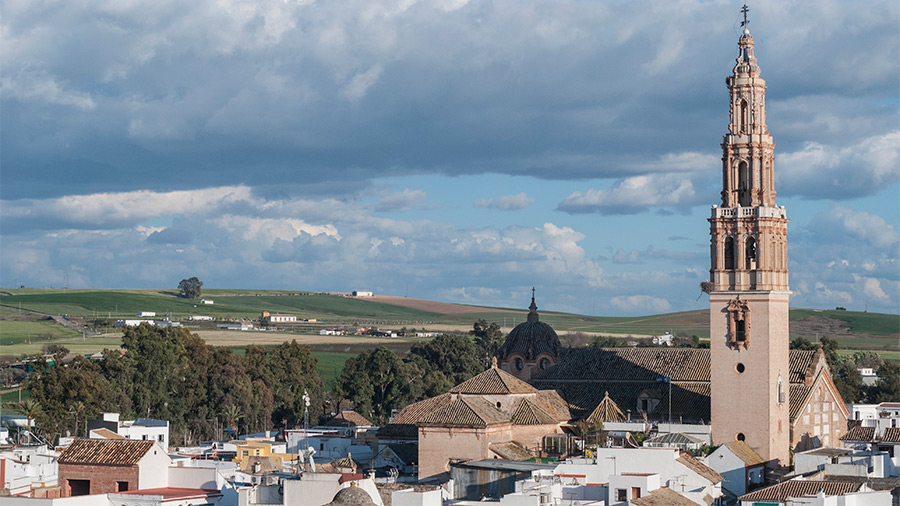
859 434
105 452
349 417
466 412
510 451
530 414
700 468
798 395
800 488
800 363
743 451
551 402
493 381
104 433
663 497
404 424
891 435
606 411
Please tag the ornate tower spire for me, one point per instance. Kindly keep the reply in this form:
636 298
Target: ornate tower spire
748 269
532 309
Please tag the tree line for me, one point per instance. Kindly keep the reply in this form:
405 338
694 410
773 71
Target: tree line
172 374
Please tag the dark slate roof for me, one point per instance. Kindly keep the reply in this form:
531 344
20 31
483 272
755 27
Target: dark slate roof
531 338
408 453
105 452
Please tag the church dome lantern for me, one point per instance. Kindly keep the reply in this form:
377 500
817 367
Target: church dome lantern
530 347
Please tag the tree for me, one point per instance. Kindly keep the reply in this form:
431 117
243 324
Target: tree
887 387
454 355
190 287
488 338
830 348
847 380
802 343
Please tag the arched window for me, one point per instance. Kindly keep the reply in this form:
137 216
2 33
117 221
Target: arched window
729 253
751 253
744 118
519 364
743 184
544 363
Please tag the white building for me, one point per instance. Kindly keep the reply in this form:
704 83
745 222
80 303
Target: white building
133 323
145 313
207 301
25 470
145 429
360 293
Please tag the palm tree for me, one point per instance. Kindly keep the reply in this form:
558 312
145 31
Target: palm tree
232 413
77 408
31 409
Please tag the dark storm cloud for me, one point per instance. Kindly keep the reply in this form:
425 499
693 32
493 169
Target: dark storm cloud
104 97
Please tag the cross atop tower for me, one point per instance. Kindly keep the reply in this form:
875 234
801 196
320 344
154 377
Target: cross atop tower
745 10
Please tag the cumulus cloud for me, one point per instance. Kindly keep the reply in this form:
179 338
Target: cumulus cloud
633 195
506 202
840 172
400 202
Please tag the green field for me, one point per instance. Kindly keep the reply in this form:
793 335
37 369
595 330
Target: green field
14 332
853 330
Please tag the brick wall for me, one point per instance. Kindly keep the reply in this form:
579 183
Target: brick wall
104 479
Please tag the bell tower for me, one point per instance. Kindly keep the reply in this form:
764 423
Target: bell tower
749 292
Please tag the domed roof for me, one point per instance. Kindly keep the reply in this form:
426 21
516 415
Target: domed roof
531 337
352 496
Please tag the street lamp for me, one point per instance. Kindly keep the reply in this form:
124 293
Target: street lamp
669 381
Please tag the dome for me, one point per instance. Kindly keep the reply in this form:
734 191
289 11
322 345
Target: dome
351 495
531 338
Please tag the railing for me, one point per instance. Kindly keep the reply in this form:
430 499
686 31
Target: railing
749 212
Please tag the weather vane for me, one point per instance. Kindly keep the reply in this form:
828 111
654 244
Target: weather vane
745 10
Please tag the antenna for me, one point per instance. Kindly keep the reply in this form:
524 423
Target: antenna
744 11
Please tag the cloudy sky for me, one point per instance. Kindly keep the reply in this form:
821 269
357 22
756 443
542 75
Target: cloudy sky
454 150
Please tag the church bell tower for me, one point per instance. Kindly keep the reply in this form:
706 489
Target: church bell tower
749 294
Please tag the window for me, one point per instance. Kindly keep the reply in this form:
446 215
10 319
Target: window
729 253
79 487
635 492
621 494
122 486
519 364
743 184
738 323
144 437
545 363
739 368
751 254
160 437
740 436
741 330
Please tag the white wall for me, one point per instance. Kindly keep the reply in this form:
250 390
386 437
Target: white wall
153 469
81 500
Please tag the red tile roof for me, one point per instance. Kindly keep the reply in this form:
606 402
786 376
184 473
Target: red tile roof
891 435
800 488
174 493
530 414
105 452
349 417
700 468
859 434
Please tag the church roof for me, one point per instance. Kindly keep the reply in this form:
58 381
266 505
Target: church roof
466 412
551 402
404 424
493 381
586 374
606 411
529 413
531 338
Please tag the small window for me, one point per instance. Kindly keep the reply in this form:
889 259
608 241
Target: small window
741 330
160 438
740 436
621 494
519 364
739 368
144 437
545 363
122 486
635 492
498 404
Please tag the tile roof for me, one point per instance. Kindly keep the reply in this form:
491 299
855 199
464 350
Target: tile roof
493 381
105 452
404 424
872 483
800 488
349 417
466 412
700 468
531 338
797 399
680 364
663 497
510 451
528 413
551 402
104 433
891 435
801 362
859 434
606 411
743 451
